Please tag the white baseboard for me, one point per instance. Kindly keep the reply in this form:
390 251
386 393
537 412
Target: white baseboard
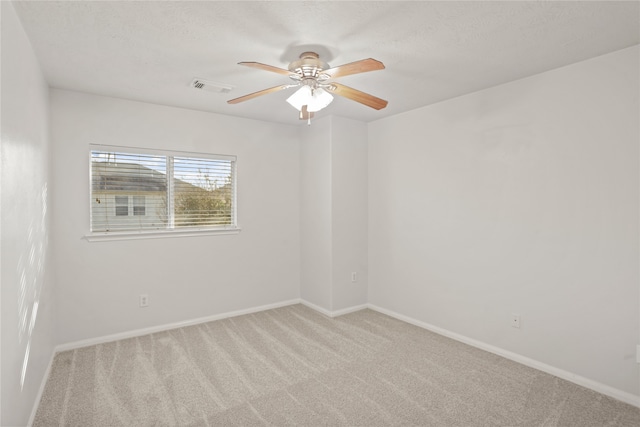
146 331
335 313
348 310
316 308
153 329
43 383
560 373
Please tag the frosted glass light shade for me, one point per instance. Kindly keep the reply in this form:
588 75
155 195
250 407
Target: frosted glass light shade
315 99
321 98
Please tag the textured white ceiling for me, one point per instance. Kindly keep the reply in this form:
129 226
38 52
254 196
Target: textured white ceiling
150 51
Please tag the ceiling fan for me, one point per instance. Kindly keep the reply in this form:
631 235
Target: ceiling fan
315 81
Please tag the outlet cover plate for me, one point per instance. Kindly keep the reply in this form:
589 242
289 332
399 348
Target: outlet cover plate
515 320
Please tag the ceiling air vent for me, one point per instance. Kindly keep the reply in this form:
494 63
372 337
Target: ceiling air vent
210 86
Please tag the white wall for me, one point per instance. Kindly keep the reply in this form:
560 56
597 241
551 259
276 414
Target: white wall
27 322
315 213
522 198
185 278
349 212
333 166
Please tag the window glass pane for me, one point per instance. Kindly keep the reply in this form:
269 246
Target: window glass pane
116 176
203 192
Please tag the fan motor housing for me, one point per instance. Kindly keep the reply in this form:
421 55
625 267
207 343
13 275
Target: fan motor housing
309 65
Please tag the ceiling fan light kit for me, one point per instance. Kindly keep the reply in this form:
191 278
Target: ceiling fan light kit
315 99
313 77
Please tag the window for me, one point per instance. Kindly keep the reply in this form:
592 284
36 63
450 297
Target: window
141 190
122 205
138 205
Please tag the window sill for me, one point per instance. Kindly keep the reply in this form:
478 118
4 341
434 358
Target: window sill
158 234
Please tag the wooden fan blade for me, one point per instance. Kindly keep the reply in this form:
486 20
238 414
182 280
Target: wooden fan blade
304 114
358 96
266 67
258 93
361 66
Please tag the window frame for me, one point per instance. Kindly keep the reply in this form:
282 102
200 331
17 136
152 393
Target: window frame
170 231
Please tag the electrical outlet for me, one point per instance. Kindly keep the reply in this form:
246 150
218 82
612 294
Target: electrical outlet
354 276
515 321
144 300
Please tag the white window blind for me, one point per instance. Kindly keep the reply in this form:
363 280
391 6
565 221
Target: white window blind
137 190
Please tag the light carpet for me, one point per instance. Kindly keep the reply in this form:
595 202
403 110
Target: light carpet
292 366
